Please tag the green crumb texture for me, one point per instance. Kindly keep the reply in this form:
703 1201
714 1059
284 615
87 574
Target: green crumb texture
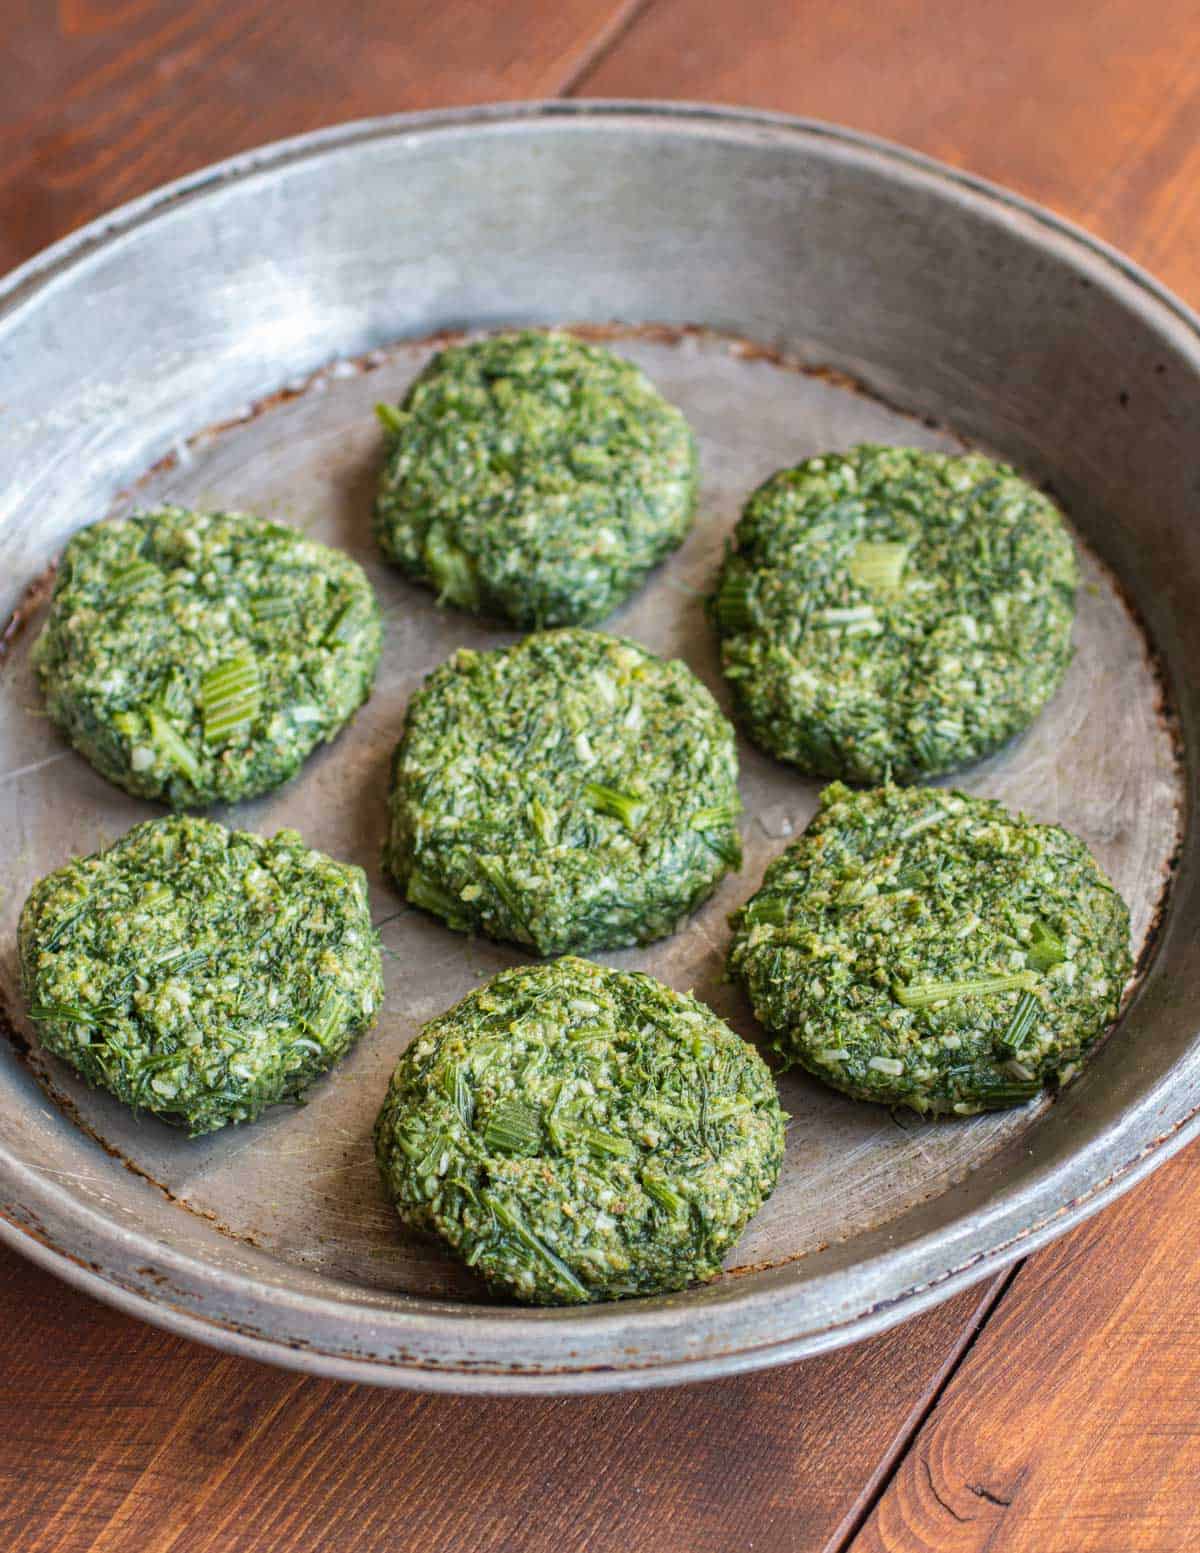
200 973
535 477
573 792
199 658
891 613
915 946
579 1134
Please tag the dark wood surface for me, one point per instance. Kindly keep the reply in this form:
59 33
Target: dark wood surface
1056 1410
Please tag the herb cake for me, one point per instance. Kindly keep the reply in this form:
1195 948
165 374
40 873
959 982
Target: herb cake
890 613
536 477
573 792
915 946
200 973
578 1134
199 658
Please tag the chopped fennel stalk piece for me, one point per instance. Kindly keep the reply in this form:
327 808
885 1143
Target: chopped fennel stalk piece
851 615
877 567
732 603
607 1143
921 994
664 1194
458 1091
126 582
512 1128
343 627
1045 947
766 911
423 892
451 569
723 814
171 744
620 806
329 1017
271 606
391 417
230 698
1021 1023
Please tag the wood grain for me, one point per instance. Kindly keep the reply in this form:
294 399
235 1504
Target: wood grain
1090 106
105 99
1073 1425
143 1443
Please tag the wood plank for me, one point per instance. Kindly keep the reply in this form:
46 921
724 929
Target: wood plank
1073 1425
143 1441
1091 106
104 99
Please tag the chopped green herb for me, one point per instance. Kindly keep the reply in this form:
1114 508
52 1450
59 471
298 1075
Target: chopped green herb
534 476
571 792
888 950
912 611
625 1163
226 971
731 603
199 657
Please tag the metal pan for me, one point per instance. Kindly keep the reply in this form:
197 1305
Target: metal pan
793 287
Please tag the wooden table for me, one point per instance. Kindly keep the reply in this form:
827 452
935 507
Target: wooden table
1055 1410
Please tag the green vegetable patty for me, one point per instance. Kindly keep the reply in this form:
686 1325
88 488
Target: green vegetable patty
200 657
571 792
533 476
200 973
919 947
891 613
581 1134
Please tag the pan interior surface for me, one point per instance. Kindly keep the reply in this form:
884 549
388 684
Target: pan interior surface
303 1184
278 1234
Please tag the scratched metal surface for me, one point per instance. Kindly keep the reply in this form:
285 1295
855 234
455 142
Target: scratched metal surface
276 1238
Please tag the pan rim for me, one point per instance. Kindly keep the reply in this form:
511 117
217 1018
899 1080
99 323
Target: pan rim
1154 1136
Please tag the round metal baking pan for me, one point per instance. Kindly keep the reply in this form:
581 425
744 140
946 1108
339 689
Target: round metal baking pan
793 287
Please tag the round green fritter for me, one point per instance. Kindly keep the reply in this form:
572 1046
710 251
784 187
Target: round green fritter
533 476
891 613
571 792
919 947
577 1134
200 973
198 658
